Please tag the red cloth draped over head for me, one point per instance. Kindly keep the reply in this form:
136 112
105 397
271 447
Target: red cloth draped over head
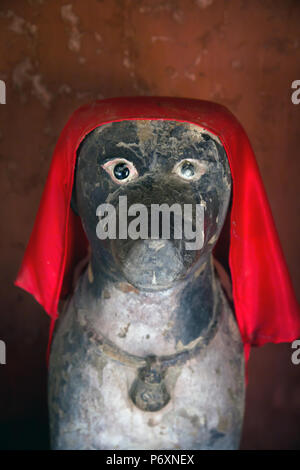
264 301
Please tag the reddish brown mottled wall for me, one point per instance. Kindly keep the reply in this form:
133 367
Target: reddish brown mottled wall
56 55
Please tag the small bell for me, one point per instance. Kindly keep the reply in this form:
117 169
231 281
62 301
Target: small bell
148 392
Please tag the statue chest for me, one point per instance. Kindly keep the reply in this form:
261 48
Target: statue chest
104 395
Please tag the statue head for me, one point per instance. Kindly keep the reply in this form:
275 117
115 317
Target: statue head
152 196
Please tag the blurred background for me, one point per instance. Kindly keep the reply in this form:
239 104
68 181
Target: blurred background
57 55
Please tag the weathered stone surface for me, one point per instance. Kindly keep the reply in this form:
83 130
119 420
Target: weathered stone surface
90 407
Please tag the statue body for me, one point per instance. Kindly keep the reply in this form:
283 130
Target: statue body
147 354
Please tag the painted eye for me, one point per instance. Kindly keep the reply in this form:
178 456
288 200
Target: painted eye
187 170
120 170
190 169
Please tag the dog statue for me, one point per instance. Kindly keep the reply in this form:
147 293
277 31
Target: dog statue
147 353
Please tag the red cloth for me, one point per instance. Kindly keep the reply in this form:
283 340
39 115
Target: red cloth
264 301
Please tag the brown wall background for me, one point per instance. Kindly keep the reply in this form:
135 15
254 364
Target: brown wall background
57 55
